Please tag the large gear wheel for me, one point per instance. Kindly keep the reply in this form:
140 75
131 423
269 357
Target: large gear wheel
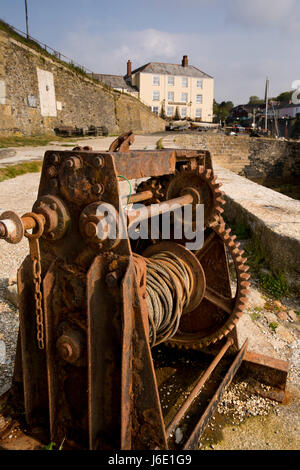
203 181
200 181
219 312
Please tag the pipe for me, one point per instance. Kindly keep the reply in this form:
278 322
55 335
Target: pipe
138 197
153 210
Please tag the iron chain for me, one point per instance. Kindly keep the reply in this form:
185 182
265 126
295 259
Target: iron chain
37 280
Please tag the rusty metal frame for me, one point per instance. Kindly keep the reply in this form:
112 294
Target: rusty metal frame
119 405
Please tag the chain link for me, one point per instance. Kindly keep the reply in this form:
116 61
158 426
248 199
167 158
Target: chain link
37 280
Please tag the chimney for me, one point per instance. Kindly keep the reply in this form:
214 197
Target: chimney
185 61
129 68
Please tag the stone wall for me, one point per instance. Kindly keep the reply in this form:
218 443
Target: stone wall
38 94
265 161
273 220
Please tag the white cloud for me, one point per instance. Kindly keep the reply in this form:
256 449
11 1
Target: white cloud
238 62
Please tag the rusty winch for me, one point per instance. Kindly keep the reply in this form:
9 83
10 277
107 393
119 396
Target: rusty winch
96 305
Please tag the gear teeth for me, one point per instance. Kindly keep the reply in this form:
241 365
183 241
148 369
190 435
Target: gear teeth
245 276
221 201
218 225
245 284
245 291
201 170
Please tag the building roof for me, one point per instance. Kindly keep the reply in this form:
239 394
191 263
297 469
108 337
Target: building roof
115 81
161 68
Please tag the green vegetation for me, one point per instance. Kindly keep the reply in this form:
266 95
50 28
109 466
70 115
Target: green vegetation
275 285
12 171
222 110
255 315
255 100
284 97
20 141
298 314
50 446
177 116
163 112
159 144
273 326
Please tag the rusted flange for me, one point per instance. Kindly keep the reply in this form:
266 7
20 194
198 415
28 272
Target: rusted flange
12 227
56 216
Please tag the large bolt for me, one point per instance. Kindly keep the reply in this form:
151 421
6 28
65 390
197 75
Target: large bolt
54 159
97 188
69 346
73 162
90 229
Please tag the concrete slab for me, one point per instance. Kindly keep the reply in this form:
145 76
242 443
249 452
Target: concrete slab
273 218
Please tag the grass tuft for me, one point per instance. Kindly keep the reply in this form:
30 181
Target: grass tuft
159 144
12 171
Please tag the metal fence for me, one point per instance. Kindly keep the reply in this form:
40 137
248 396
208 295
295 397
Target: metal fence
50 50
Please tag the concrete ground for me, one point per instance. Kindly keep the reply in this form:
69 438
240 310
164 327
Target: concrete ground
279 428
15 155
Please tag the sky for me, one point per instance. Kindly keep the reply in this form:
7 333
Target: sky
238 42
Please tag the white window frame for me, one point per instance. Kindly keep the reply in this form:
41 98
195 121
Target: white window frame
183 112
155 109
172 94
199 99
184 97
170 111
155 95
184 82
198 113
200 83
156 80
171 80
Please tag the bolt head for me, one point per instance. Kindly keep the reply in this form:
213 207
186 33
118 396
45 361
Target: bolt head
54 159
90 229
97 188
69 163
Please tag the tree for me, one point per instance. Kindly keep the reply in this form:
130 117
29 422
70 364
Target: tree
285 97
221 111
177 116
163 112
255 100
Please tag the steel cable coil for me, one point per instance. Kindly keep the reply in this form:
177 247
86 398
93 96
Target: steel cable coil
168 288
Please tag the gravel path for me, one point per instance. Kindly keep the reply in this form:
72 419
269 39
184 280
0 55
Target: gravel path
16 194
